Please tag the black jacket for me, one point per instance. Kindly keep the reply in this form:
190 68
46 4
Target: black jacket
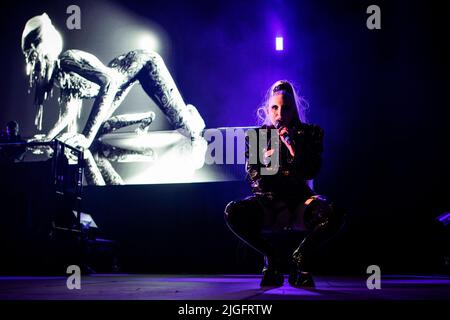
292 172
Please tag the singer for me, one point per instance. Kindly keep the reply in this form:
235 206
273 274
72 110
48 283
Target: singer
286 200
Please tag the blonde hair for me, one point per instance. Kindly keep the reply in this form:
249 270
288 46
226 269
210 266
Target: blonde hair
284 87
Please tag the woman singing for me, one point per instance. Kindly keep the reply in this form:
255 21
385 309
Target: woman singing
283 199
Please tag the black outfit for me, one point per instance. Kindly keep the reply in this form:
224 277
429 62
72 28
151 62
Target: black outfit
287 189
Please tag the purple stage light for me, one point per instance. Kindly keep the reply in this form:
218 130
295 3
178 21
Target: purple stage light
444 218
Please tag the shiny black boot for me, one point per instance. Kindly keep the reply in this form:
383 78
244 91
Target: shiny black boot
272 277
298 277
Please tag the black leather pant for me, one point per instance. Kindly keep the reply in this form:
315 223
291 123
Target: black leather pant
250 217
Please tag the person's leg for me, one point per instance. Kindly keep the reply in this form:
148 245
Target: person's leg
124 120
322 222
150 70
159 85
245 218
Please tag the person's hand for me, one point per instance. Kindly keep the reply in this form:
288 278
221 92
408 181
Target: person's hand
282 132
268 153
76 140
40 149
38 138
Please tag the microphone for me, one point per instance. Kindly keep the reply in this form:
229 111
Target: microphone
286 137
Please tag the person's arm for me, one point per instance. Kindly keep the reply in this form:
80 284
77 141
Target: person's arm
92 69
259 183
252 169
68 117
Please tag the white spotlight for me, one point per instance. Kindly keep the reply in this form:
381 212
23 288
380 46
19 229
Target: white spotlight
147 41
279 43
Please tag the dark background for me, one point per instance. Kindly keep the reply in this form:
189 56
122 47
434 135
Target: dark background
380 95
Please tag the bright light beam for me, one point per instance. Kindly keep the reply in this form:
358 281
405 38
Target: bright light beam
148 41
279 44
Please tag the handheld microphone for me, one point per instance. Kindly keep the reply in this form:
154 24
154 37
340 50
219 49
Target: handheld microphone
286 137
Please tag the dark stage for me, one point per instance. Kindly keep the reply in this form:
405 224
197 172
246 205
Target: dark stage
220 287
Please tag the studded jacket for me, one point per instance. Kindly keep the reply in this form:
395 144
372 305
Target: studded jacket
289 177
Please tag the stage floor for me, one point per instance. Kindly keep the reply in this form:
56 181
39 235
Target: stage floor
220 287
